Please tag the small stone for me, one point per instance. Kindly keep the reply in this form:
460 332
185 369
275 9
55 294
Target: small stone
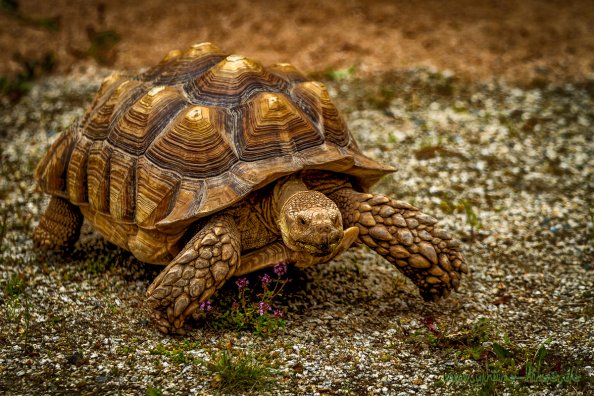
418 261
380 232
405 237
399 252
367 219
398 220
387 211
427 250
378 200
77 359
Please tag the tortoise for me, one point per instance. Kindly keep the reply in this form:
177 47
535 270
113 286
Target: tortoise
217 166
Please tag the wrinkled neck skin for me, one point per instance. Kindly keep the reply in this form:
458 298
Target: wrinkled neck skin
285 189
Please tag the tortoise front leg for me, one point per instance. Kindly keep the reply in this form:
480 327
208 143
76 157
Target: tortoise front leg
59 227
279 253
206 262
405 237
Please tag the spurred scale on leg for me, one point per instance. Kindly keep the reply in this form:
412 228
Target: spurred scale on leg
407 238
208 260
59 227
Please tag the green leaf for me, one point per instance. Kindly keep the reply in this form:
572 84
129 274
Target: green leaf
150 391
501 352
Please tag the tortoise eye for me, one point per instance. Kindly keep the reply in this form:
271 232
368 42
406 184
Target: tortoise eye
302 221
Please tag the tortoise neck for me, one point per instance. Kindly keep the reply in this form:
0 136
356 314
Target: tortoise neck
283 191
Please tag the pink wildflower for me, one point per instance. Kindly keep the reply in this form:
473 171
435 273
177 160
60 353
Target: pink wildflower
280 269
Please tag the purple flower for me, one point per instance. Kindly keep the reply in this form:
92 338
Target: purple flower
264 307
266 279
205 306
278 313
280 269
242 283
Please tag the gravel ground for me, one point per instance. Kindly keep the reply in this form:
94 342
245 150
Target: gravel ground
507 169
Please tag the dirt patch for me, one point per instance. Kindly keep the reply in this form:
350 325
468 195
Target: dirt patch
519 41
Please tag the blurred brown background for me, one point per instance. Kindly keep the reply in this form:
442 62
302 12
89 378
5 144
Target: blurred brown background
517 40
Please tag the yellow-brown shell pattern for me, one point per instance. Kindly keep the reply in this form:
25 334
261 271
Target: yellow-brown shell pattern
195 134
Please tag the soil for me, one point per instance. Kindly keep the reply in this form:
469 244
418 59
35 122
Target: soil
485 108
519 41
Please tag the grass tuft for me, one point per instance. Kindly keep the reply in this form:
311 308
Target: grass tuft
239 374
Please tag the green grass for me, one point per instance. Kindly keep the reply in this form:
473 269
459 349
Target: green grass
15 87
102 45
150 391
234 374
176 353
15 286
497 354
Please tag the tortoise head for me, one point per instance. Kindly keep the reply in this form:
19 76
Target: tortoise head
311 223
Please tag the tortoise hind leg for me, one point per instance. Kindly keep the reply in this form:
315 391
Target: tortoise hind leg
59 227
206 262
407 238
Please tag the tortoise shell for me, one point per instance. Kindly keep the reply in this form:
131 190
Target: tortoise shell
194 135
